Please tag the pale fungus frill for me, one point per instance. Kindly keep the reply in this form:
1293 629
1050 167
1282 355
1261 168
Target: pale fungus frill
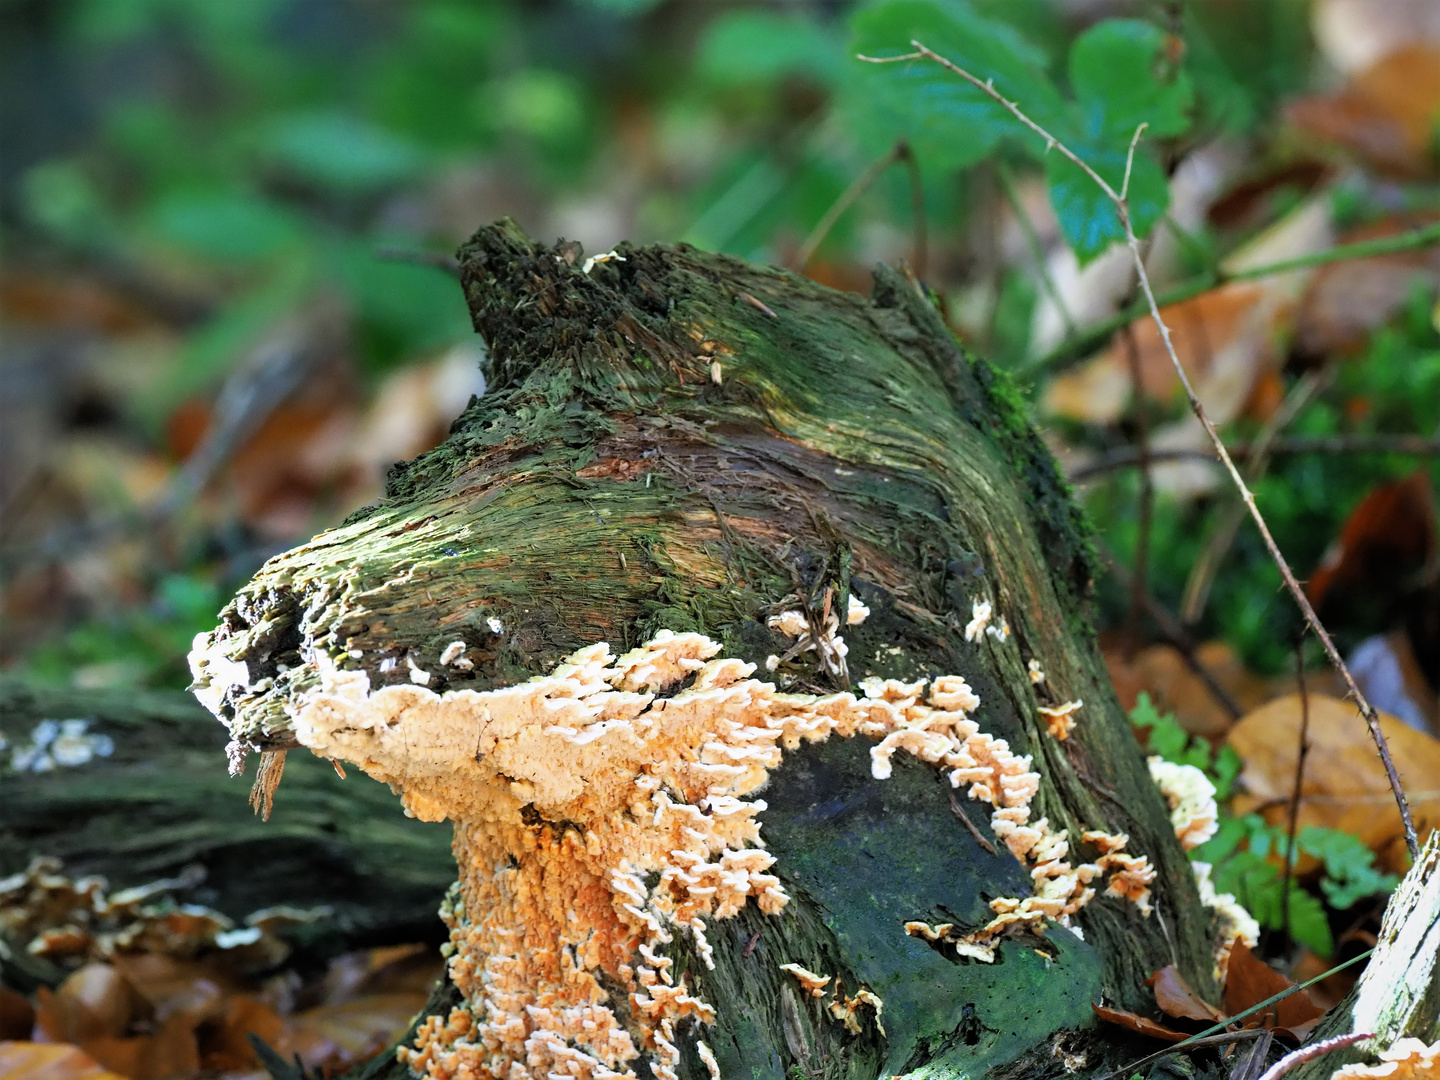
846 1009
595 821
1191 796
1060 719
980 611
809 981
1234 923
1407 1059
856 612
1033 670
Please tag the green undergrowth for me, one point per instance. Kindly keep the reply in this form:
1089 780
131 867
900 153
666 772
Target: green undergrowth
1247 854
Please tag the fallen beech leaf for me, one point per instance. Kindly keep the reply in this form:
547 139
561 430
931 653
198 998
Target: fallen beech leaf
1387 539
49 1061
172 1051
1345 786
331 1038
1138 1024
1249 981
1162 672
1176 999
1345 301
17 1016
1385 114
227 1048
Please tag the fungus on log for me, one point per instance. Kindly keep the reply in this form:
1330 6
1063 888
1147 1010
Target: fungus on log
713 629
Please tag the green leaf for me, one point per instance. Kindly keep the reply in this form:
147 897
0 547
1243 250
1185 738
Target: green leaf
341 152
1350 873
949 123
1122 76
229 226
764 46
1087 216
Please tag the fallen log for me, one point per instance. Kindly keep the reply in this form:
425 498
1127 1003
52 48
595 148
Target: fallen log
131 786
741 631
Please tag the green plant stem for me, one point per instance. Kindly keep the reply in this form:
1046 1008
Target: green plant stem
1093 337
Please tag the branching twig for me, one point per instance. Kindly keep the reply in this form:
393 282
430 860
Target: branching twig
1146 508
1122 210
1128 457
1095 336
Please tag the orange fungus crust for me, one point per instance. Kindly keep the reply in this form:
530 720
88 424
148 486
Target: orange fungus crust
596 821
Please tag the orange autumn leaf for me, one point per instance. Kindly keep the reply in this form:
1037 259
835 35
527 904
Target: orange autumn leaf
1176 999
1344 786
1138 1024
1249 981
49 1061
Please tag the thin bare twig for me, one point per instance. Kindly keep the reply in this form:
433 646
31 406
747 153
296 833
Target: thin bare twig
1122 210
900 152
1092 337
1299 781
1313 1051
1128 457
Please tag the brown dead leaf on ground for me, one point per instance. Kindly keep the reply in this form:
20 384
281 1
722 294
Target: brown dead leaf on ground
1249 981
1346 301
49 1061
1161 672
1138 1024
1345 786
1385 114
1176 999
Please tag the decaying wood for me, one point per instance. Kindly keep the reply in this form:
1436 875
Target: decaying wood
159 805
682 442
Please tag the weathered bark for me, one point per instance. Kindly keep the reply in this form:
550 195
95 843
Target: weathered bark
160 804
1398 994
682 441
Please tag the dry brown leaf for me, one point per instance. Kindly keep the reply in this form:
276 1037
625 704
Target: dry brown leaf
49 1061
334 1037
1345 785
1161 672
1386 113
17 1015
1388 538
1345 301
1249 981
1138 1024
1176 999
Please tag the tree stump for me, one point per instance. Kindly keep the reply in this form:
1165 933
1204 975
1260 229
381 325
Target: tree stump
793 581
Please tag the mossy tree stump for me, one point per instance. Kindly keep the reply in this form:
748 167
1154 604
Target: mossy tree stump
724 460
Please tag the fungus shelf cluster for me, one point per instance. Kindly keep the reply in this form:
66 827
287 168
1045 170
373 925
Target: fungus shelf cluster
600 810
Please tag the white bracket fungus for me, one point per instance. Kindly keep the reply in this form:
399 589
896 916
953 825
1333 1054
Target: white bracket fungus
595 820
1060 719
1191 796
809 981
980 612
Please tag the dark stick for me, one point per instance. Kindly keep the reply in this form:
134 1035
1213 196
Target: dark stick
1299 779
960 813
1171 630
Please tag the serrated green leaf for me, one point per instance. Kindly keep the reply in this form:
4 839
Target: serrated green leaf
1087 216
949 123
225 225
1122 76
1350 873
341 152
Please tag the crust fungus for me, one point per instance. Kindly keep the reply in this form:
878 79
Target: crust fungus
595 818
809 981
979 619
1037 676
1408 1059
1193 811
1060 719
845 1009
1234 923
